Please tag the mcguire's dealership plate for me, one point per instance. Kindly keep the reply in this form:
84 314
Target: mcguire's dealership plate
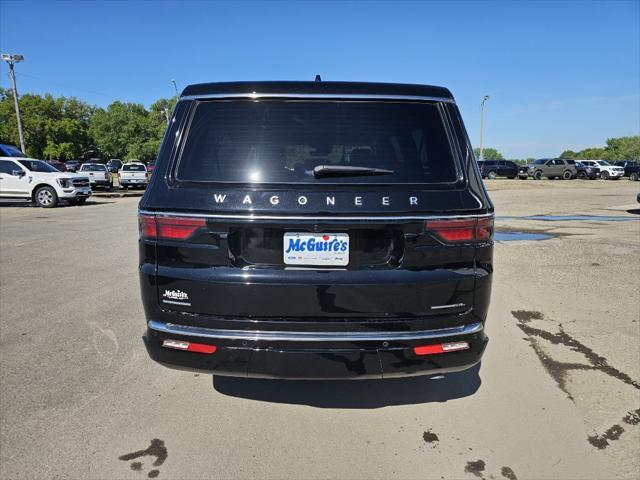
327 249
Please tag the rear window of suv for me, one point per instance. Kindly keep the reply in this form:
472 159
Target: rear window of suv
283 141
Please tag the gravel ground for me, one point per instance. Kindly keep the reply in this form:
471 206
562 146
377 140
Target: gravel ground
558 394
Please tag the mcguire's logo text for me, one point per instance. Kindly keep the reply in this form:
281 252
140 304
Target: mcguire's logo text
316 245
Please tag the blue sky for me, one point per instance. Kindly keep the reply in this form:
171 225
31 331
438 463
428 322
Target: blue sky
560 75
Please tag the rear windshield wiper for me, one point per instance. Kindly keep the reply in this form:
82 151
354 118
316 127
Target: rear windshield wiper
320 171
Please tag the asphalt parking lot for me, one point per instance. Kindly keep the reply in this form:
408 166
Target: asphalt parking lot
557 396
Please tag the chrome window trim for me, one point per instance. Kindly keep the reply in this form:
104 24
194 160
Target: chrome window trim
280 336
336 96
314 218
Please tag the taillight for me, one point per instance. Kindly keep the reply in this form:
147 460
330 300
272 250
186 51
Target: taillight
484 230
147 226
461 230
169 228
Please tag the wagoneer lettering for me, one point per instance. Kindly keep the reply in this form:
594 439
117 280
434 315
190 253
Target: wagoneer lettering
316 230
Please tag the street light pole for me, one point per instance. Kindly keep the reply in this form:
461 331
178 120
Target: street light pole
175 86
11 60
484 99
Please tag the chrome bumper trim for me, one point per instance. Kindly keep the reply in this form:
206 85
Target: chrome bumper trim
174 329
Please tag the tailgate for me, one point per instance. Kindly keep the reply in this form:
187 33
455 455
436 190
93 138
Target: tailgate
237 269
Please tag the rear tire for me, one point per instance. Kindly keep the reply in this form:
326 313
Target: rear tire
581 176
567 175
633 176
604 175
46 197
537 175
492 175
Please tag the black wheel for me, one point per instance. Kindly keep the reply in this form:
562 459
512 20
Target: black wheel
581 175
492 175
522 178
537 175
46 197
566 175
633 176
604 175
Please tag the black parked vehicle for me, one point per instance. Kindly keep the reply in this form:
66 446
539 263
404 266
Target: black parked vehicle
57 165
316 230
497 168
631 169
114 165
72 165
585 172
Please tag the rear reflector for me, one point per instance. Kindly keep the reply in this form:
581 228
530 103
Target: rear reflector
440 348
189 346
465 230
169 228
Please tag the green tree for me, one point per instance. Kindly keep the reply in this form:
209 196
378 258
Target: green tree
624 148
124 130
488 154
53 127
620 148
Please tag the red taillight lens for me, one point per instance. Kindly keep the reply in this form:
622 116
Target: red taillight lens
440 348
168 228
147 227
484 230
178 228
189 346
461 230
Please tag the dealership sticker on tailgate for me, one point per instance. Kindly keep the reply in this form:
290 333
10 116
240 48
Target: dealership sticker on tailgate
325 249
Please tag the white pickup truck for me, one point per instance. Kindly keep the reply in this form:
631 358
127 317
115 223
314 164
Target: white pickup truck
133 174
98 174
38 181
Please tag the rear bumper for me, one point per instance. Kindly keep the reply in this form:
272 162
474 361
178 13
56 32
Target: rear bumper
124 181
100 183
315 355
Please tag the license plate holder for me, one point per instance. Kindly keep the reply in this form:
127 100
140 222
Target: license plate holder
316 249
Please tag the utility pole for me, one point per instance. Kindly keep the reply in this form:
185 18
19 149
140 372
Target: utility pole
11 60
484 99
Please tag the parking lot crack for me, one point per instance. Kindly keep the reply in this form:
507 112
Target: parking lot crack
596 362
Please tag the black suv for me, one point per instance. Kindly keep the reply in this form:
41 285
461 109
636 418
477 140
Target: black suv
316 230
631 169
497 168
585 172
